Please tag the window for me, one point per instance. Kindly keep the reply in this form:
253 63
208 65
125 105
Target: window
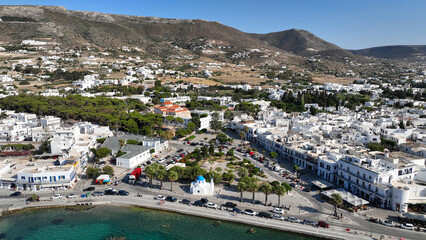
364 175
23 178
369 186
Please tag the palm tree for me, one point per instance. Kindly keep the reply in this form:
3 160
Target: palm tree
242 186
336 200
161 175
279 190
252 187
296 169
150 171
173 176
242 134
287 187
266 188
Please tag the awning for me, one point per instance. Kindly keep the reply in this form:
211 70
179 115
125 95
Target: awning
346 196
322 184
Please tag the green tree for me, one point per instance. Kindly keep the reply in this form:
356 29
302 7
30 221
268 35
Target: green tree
228 115
287 187
279 190
103 152
215 124
253 187
172 176
161 174
266 188
296 169
230 152
211 149
336 200
204 151
243 172
150 171
374 146
273 155
313 110
92 172
243 186
108 170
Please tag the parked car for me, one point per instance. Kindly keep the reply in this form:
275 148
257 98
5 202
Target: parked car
15 194
160 197
171 199
204 200
97 194
278 217
278 210
230 205
237 210
294 220
211 205
56 196
323 224
407 226
309 222
110 192
72 195
89 189
388 223
123 193
186 201
198 203
250 212
265 215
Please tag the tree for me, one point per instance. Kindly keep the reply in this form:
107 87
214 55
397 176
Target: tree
157 84
253 187
242 186
374 146
92 172
273 155
313 110
150 171
296 169
211 149
161 174
204 151
279 190
103 152
230 152
172 176
287 187
215 124
401 124
266 188
228 115
243 172
229 177
336 200
108 170
242 135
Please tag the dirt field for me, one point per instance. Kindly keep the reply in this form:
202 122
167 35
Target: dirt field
332 79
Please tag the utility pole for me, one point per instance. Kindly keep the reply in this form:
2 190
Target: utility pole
371 231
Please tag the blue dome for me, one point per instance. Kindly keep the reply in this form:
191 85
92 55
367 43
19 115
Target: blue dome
200 178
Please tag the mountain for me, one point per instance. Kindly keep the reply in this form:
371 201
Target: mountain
151 35
398 52
296 41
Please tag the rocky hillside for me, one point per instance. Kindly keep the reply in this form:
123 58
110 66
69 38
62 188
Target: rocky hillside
399 52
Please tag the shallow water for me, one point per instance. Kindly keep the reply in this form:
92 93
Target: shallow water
103 222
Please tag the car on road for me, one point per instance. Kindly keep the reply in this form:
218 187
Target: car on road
388 223
323 224
198 203
72 195
278 217
160 197
294 220
237 210
97 194
211 205
185 201
230 205
123 193
171 199
110 191
204 200
309 222
407 226
15 194
265 215
250 212
180 150
89 189
56 196
278 210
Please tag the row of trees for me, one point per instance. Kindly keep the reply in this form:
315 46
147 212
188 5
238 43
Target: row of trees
250 184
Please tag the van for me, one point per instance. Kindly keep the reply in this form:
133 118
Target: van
265 215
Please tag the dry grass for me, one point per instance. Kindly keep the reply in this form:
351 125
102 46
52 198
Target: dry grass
332 79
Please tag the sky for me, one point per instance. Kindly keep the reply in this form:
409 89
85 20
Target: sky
350 24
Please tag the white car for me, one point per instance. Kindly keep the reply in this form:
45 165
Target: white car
294 220
250 212
388 223
278 217
407 226
278 210
211 205
160 197
56 196
72 195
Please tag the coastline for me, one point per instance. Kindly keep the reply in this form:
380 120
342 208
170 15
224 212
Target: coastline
222 216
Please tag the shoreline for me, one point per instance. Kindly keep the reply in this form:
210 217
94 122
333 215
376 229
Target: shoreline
258 222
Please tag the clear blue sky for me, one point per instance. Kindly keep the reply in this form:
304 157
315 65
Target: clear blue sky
350 24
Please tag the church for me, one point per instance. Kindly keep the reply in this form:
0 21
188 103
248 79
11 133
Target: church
201 187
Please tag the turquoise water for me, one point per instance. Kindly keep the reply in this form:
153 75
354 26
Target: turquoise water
107 222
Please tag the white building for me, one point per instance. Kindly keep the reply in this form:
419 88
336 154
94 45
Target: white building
201 187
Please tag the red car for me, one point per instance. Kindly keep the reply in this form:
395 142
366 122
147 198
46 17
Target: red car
323 224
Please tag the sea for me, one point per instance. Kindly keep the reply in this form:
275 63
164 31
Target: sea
120 222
